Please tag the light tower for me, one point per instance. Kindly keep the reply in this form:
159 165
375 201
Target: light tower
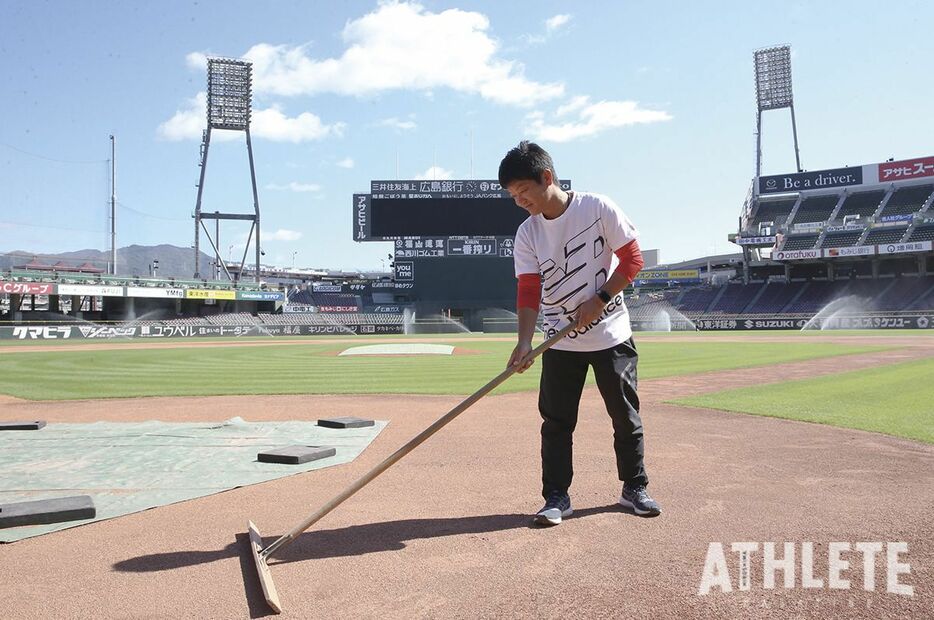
230 91
773 92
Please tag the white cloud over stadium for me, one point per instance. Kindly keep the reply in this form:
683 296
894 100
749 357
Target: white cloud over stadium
402 46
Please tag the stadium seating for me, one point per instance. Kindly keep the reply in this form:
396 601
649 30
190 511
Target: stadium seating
239 318
816 209
777 212
310 298
799 242
697 299
907 200
841 240
735 298
333 318
903 292
926 301
646 306
881 236
775 297
922 233
863 204
817 295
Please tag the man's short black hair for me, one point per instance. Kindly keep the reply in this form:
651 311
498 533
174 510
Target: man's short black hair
526 162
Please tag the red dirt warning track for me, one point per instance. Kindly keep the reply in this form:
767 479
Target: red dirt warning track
445 532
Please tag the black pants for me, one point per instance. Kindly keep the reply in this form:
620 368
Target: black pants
563 376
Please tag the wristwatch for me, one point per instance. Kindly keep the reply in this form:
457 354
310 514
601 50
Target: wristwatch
604 296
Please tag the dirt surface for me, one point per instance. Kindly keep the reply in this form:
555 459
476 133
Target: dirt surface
445 532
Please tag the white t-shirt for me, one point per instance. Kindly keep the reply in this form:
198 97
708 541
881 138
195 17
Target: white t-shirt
574 255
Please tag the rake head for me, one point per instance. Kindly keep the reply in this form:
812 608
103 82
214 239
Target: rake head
262 569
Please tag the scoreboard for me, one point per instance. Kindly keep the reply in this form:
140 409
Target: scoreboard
436 219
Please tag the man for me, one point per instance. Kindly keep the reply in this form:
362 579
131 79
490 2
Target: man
565 253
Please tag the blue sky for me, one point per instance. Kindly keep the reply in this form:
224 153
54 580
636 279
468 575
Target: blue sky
650 103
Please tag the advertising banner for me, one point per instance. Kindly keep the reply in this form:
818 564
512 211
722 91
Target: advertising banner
361 217
337 308
393 285
845 227
656 274
322 287
755 240
472 247
899 248
896 218
907 169
207 293
36 332
795 254
405 271
803 181
424 247
85 290
153 292
27 288
104 332
260 295
859 250
911 321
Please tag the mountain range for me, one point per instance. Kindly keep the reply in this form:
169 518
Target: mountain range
133 260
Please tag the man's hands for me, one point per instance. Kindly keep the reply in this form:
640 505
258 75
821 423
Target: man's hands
517 359
589 311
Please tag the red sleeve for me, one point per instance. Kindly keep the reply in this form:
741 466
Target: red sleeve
529 293
630 259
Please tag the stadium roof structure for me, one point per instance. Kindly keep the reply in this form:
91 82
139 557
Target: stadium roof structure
716 260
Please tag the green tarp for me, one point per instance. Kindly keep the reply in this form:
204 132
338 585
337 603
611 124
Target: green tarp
128 467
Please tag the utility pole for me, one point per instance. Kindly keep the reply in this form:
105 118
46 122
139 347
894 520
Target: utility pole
113 206
217 241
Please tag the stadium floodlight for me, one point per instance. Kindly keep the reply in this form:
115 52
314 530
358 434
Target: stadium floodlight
773 78
773 92
230 92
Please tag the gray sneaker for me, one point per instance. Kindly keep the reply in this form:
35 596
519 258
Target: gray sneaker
635 496
557 506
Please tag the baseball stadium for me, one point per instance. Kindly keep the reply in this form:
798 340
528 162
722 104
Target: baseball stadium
248 440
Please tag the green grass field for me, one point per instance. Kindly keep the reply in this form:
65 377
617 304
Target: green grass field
314 368
897 400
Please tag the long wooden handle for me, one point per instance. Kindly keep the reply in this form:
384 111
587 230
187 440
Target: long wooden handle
411 445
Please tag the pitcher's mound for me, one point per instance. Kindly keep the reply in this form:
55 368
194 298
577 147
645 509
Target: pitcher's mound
400 349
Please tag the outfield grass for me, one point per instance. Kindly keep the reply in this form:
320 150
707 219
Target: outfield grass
316 369
897 399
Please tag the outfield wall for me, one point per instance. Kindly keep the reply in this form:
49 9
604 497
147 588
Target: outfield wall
753 323
105 332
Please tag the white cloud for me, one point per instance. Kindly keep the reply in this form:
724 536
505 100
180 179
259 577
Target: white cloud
188 123
435 173
295 187
592 119
553 23
281 235
273 124
347 162
401 45
396 123
576 103
197 61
